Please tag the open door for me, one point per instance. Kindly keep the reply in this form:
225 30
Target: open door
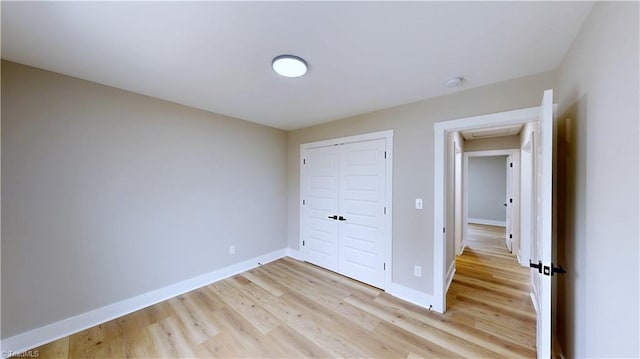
542 246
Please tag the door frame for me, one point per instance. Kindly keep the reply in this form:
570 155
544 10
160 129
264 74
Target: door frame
527 192
440 130
388 233
515 153
458 184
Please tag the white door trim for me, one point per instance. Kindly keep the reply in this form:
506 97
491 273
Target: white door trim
388 137
439 133
527 200
515 152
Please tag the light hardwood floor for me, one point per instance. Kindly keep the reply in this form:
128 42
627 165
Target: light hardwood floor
291 309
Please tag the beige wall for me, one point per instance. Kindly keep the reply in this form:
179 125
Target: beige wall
413 162
597 88
493 143
109 194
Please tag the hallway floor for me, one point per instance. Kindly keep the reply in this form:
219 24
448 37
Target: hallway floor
490 290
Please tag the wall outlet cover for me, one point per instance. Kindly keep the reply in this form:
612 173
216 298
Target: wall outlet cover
417 271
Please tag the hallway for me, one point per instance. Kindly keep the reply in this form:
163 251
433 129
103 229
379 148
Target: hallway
490 290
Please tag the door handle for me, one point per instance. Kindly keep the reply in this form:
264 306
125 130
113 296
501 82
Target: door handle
536 266
341 218
557 269
334 217
547 270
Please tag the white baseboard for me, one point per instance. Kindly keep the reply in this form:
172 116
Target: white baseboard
488 222
450 273
414 296
463 245
48 333
535 304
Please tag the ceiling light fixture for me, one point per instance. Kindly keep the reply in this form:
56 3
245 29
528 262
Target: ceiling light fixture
456 81
289 65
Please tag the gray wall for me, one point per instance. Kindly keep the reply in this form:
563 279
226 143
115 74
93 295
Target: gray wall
597 88
413 162
487 188
109 194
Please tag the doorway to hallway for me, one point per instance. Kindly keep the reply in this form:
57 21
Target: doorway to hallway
490 290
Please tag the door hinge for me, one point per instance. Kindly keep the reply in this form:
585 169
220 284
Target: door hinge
511 236
444 230
385 154
385 210
511 164
510 200
303 202
384 266
303 243
304 161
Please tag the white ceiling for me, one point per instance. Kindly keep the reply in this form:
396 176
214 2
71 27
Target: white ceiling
363 56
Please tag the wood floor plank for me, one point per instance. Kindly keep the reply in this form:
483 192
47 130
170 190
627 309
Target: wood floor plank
359 338
245 306
259 277
429 334
459 330
329 298
295 344
56 349
413 343
177 337
292 309
239 336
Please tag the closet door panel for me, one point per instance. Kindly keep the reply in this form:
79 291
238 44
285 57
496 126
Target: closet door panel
362 201
320 183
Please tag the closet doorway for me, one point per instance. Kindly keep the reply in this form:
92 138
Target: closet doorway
345 219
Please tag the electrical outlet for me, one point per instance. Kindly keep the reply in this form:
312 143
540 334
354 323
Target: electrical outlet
417 271
418 203
232 250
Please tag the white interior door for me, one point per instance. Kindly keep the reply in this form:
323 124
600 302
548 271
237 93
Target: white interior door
343 214
320 183
509 203
361 217
542 245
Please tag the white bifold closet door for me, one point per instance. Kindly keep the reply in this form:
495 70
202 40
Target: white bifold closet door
343 216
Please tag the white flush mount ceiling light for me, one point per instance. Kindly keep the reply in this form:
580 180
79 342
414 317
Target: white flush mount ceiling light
454 82
289 66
